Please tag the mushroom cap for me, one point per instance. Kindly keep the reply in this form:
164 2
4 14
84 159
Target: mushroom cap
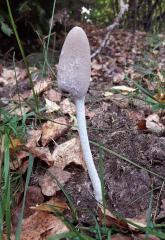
74 70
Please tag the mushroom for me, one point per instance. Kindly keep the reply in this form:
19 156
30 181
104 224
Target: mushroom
73 74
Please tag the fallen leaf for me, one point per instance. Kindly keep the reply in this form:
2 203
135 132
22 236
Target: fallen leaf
54 204
48 183
162 210
160 97
53 95
141 124
108 94
8 75
41 86
33 138
67 107
123 89
51 106
139 220
43 153
154 125
39 223
105 216
53 130
20 156
18 110
22 96
14 143
68 152
33 197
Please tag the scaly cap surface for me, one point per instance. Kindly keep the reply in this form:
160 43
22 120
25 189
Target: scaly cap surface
74 68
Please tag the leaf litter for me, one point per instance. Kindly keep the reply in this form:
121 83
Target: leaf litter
55 144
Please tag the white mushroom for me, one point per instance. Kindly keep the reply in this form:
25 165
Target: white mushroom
74 70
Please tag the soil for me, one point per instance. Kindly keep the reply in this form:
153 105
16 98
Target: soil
129 188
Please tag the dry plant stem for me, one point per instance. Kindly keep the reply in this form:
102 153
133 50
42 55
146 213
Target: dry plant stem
110 28
80 109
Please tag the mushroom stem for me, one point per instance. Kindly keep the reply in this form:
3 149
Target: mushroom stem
81 120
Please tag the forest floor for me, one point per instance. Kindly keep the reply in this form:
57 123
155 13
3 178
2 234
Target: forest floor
126 127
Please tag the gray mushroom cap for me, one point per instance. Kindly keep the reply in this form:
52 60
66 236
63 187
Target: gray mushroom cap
74 70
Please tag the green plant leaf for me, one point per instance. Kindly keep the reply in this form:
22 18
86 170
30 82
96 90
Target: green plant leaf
6 29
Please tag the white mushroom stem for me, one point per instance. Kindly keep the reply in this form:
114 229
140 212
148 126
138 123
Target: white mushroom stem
81 120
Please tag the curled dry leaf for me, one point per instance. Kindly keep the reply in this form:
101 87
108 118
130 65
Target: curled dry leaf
48 182
14 143
33 138
53 130
109 219
67 107
123 89
20 156
53 95
42 86
154 125
54 204
43 153
68 152
51 106
39 223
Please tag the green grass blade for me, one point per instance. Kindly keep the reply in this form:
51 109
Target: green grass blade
22 53
29 171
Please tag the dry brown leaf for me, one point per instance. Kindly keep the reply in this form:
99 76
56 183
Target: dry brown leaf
153 124
124 89
8 75
22 96
15 164
33 138
42 86
33 197
43 153
53 95
51 106
18 110
67 107
68 152
39 223
48 184
14 143
53 130
162 209
139 220
96 67
54 204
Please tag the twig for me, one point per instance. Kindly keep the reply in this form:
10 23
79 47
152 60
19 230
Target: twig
123 9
